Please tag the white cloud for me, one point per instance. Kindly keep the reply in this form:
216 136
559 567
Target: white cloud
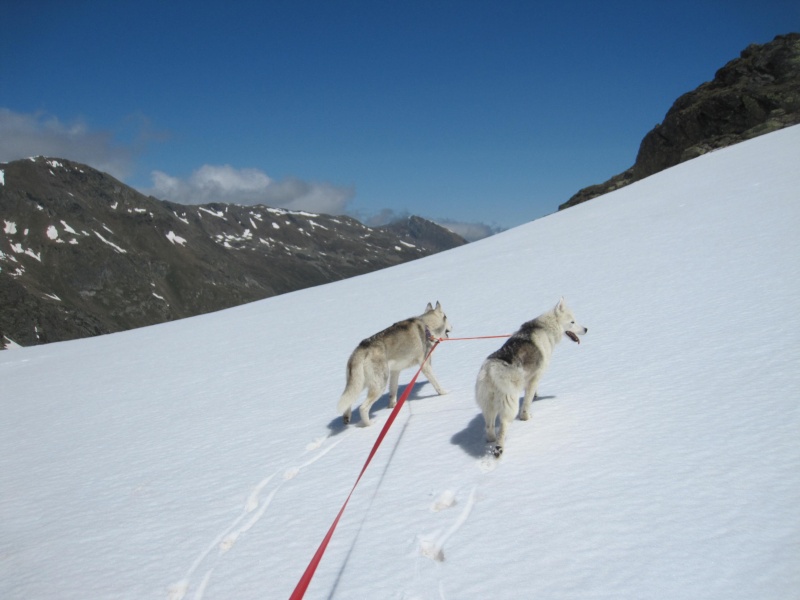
224 183
470 231
33 134
383 217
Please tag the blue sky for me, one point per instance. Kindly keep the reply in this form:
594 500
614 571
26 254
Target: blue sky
482 113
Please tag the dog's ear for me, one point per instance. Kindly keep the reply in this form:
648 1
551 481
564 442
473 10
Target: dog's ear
561 305
438 306
429 307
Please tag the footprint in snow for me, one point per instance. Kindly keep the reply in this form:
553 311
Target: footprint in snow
433 546
445 500
227 539
178 590
316 443
292 472
489 461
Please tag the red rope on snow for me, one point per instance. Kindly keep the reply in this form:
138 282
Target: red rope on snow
305 580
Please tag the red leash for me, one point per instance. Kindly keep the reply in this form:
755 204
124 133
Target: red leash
305 580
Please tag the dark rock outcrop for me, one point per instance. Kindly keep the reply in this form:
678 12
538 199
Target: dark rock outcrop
757 93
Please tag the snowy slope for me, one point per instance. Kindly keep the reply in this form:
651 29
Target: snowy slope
204 458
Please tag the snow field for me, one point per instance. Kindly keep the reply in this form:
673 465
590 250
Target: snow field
204 458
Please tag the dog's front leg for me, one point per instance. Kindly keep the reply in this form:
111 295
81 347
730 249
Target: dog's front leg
427 370
530 394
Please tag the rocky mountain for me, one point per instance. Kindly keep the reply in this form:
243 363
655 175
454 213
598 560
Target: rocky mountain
757 93
82 254
424 234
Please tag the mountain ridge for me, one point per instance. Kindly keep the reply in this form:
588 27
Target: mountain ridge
83 254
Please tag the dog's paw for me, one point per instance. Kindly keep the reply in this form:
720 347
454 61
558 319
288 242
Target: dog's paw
346 419
497 451
523 416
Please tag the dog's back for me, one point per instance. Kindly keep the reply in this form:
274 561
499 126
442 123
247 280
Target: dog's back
401 343
520 350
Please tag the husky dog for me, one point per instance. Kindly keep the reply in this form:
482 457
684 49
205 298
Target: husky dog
518 365
380 358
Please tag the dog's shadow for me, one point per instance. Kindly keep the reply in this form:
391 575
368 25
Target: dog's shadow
472 439
337 426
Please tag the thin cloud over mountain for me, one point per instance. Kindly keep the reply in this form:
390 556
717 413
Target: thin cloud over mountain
42 134
225 183
114 152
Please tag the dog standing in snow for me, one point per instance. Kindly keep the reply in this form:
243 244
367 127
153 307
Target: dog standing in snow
518 365
380 358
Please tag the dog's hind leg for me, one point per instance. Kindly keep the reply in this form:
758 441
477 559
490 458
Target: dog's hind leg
490 416
508 410
355 383
377 375
373 393
394 376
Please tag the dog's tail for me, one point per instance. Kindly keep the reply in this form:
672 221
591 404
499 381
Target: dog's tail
355 381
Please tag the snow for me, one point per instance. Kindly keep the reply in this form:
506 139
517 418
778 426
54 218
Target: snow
9 227
204 459
2 177
19 249
219 214
11 344
68 229
176 239
52 232
283 211
112 244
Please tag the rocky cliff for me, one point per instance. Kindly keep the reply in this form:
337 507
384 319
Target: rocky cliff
757 93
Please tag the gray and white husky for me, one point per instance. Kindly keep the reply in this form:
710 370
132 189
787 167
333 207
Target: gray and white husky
518 365
380 358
